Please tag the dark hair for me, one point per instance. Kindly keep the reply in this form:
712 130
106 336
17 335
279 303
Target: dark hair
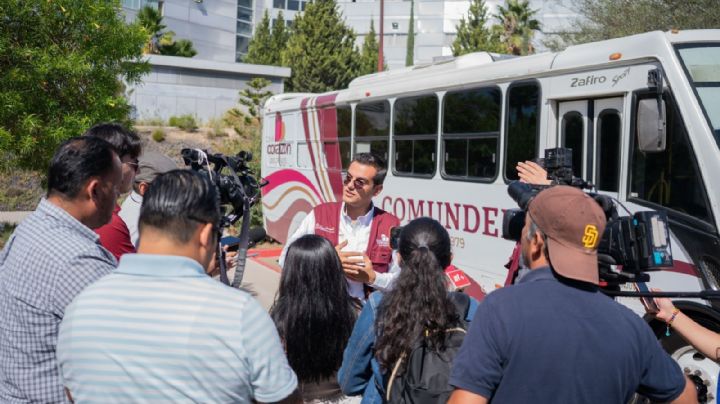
371 159
313 312
419 298
126 142
177 201
76 161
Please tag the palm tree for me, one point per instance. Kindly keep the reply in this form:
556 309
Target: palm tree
517 26
151 21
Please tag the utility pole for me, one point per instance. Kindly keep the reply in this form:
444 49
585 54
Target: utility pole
382 36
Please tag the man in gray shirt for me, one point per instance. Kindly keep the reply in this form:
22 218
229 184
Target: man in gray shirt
48 260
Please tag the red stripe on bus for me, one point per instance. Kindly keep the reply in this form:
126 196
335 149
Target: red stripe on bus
287 175
279 229
683 268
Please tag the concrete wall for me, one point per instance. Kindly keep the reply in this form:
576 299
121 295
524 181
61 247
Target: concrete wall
205 89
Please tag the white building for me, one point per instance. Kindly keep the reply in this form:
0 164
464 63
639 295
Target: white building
221 29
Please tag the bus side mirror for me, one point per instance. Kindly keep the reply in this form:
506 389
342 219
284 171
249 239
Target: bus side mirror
651 125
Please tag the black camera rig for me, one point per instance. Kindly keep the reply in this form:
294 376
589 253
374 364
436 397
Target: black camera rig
238 190
630 246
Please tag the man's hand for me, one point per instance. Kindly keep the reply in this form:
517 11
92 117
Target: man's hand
531 173
357 265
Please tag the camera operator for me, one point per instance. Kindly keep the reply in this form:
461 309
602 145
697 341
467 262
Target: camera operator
171 333
554 336
359 230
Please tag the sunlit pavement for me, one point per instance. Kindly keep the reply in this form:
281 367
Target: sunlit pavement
262 275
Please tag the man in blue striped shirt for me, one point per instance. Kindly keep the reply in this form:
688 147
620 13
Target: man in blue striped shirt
159 329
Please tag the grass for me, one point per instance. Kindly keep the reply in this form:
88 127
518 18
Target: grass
184 122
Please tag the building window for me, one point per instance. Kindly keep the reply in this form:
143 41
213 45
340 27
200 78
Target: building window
244 28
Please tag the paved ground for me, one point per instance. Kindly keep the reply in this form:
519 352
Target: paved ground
262 275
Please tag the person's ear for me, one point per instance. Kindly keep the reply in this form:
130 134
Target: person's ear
377 189
207 235
537 246
92 189
143 187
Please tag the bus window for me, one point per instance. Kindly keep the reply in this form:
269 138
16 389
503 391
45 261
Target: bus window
415 124
344 124
372 128
670 178
608 160
521 129
471 126
572 138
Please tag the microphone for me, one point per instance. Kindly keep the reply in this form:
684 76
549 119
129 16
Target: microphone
256 235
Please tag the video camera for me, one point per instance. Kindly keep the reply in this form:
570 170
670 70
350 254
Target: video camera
238 189
630 245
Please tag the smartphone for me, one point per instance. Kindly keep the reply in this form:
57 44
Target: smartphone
648 302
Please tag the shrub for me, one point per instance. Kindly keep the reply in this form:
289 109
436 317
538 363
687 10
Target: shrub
185 122
216 127
158 135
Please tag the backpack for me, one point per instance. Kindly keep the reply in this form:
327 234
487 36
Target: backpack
427 373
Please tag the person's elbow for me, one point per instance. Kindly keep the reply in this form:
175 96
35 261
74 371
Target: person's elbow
460 396
689 394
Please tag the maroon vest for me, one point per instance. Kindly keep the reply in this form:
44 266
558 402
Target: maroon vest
327 224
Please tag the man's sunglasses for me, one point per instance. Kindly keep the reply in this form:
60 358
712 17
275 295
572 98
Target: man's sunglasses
357 182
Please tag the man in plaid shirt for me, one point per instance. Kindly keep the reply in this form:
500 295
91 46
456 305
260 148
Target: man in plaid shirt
49 259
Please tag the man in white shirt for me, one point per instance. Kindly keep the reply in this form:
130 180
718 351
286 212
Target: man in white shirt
359 230
150 165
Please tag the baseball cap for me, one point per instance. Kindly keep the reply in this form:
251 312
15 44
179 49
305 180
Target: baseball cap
151 164
574 224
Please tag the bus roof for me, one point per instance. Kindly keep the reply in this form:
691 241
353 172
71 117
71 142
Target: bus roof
482 67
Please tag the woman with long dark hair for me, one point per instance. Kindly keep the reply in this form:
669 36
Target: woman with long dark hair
314 315
391 323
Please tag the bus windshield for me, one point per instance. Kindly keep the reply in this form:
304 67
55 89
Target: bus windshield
702 63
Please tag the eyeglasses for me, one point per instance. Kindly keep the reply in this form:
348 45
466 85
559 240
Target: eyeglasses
357 182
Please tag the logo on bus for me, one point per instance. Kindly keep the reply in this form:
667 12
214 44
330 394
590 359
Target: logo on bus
279 128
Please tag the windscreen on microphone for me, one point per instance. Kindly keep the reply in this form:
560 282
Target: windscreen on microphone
256 234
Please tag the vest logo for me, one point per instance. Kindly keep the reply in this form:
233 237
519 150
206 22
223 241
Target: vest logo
324 228
383 241
590 237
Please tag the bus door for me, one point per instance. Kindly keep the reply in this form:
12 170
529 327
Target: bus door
574 133
607 129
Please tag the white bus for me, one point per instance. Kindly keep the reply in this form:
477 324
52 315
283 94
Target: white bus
453 131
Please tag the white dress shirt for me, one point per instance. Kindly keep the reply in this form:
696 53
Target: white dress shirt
130 214
357 234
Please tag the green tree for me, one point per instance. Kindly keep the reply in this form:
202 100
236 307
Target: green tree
159 41
517 27
62 66
253 98
321 50
369 52
473 34
410 51
260 49
280 35
606 19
